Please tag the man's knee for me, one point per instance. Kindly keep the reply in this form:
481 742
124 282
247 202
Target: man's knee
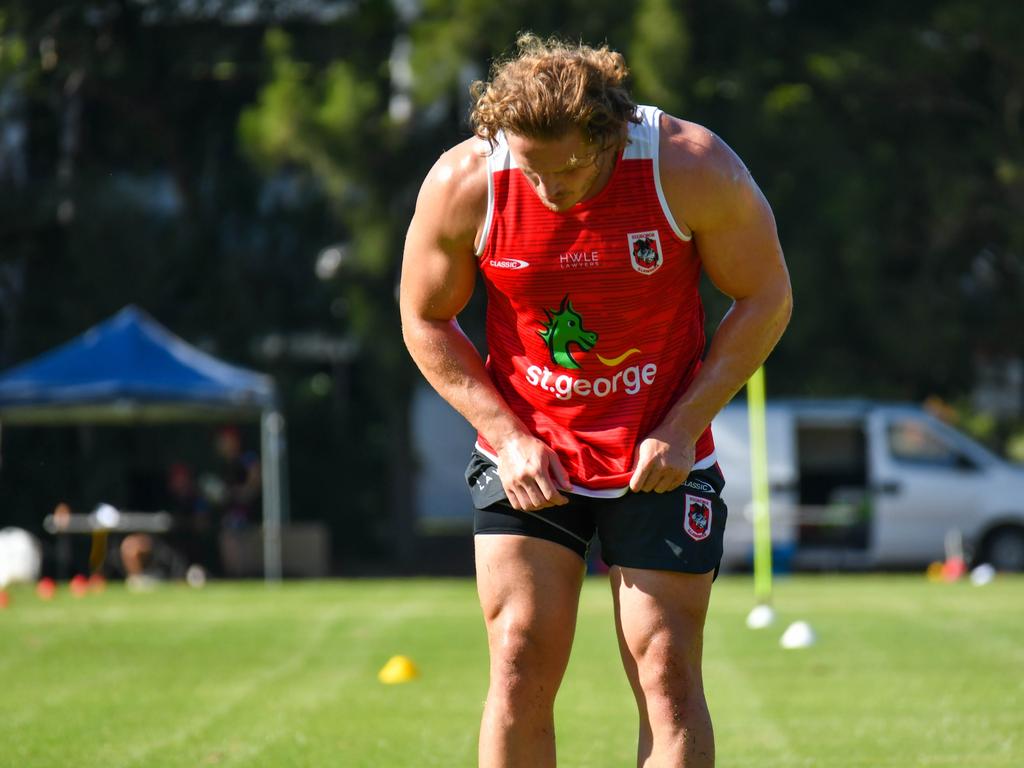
527 660
669 671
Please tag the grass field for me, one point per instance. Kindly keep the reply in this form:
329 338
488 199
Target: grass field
905 673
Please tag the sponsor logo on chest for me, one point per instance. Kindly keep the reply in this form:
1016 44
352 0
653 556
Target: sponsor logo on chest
566 335
579 259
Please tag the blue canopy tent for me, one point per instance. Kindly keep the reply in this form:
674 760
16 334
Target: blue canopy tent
129 369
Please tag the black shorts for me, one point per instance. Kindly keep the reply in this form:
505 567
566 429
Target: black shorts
680 530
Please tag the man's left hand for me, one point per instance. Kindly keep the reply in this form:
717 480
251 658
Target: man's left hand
663 463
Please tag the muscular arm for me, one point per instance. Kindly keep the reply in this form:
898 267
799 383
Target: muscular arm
438 275
710 191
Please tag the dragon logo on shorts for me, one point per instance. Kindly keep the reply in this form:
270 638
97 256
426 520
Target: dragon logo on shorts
697 522
563 328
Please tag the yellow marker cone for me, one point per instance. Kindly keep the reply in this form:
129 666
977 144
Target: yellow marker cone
399 669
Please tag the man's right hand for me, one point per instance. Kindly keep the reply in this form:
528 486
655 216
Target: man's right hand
531 474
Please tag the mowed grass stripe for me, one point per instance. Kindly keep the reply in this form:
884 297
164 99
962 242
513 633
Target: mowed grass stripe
73 657
906 673
272 678
238 662
316 686
885 685
364 723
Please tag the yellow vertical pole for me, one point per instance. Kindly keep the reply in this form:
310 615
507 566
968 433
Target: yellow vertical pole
759 486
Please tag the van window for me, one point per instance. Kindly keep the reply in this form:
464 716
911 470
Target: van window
913 441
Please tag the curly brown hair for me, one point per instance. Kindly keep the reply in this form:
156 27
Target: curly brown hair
548 87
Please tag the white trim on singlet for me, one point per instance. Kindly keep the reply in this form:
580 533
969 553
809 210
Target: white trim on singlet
645 142
486 231
498 159
607 493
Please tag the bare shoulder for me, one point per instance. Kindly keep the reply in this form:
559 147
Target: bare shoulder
438 265
453 197
704 180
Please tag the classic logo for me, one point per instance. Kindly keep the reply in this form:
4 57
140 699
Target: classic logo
700 485
697 521
645 251
509 263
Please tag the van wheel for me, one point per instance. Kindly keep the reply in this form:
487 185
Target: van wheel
1004 549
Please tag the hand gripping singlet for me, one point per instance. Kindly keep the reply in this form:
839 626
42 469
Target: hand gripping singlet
595 326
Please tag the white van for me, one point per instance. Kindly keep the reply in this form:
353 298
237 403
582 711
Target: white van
858 484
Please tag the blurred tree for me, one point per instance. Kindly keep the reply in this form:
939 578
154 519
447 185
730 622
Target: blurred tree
136 191
900 138
659 56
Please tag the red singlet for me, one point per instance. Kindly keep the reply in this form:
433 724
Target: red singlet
595 326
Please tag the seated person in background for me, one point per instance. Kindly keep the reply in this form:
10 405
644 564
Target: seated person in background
191 540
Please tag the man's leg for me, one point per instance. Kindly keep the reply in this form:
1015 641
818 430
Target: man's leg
529 591
659 617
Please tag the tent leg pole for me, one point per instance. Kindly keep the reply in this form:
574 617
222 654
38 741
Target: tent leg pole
271 428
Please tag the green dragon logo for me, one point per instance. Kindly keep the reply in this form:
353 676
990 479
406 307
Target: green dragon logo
563 328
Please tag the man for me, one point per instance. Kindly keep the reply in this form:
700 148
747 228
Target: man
590 219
